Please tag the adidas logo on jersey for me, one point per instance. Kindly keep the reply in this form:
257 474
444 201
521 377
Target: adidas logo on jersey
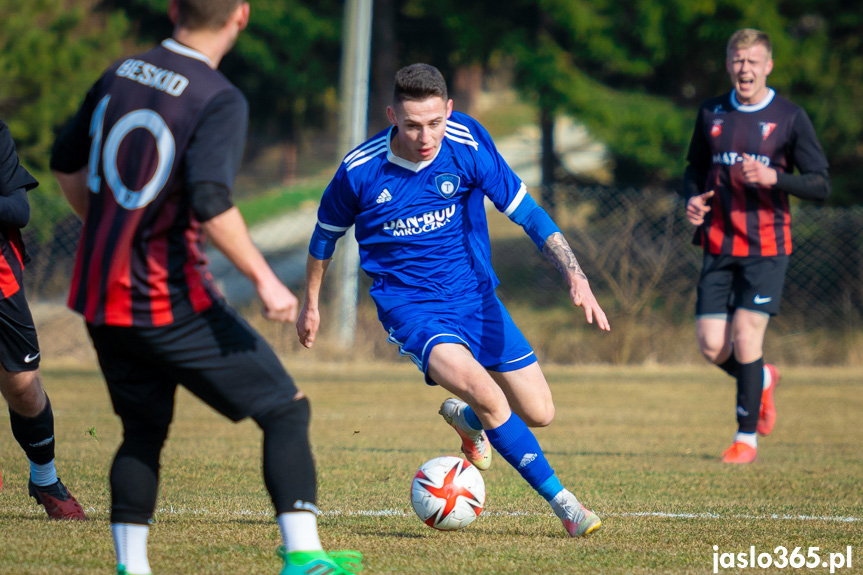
526 460
385 196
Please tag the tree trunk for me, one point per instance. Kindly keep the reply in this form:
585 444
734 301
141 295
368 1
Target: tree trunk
384 63
467 85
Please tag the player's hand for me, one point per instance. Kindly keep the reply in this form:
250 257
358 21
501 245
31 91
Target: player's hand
280 304
582 296
307 325
756 173
697 207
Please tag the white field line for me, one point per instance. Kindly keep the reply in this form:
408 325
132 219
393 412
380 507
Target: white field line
171 510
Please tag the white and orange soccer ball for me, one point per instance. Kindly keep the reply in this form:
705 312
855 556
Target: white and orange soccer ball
448 493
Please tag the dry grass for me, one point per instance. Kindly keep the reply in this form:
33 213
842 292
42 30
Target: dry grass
638 445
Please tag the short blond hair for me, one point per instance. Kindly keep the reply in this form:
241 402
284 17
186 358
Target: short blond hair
747 38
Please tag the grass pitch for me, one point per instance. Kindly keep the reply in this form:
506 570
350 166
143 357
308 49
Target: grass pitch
640 446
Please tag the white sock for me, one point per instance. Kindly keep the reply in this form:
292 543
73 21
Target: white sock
768 381
749 439
43 475
130 544
299 531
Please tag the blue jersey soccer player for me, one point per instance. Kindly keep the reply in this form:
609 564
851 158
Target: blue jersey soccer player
415 193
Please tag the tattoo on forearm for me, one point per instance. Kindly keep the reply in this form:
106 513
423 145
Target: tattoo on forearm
557 250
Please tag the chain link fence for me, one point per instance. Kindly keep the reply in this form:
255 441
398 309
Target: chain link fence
636 247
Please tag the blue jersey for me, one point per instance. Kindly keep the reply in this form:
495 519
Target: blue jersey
421 227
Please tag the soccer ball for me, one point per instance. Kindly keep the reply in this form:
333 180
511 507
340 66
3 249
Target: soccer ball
447 493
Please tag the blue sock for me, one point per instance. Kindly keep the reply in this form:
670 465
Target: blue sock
471 419
550 487
518 445
43 475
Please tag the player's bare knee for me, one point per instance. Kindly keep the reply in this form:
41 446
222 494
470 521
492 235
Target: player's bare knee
23 392
539 418
714 351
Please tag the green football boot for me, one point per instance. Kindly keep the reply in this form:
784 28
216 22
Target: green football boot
321 562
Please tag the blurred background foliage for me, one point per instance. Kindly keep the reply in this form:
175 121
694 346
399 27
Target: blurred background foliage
632 72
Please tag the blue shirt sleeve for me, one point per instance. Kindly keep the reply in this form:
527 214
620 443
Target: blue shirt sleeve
494 176
535 220
504 188
339 206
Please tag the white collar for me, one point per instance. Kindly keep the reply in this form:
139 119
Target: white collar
752 107
178 48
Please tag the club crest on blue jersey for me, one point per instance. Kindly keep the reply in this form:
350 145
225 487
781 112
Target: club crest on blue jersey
447 185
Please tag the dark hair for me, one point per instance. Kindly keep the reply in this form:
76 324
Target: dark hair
205 14
419 82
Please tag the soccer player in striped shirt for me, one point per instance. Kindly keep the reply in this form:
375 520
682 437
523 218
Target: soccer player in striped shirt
742 156
30 410
415 193
148 163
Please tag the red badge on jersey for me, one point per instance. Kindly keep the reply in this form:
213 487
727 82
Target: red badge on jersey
716 129
767 129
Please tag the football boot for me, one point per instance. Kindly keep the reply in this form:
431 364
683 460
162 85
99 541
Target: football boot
576 518
767 414
58 502
739 452
474 444
320 562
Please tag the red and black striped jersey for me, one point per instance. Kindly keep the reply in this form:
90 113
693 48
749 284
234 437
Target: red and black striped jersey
747 220
140 131
13 178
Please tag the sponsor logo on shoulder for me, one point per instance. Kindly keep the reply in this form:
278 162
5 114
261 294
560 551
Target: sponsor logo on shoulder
384 196
718 109
447 184
30 358
758 300
766 129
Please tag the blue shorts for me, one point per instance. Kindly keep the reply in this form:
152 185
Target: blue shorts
484 327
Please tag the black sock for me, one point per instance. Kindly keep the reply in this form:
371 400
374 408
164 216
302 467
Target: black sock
35 435
730 365
135 474
750 380
289 467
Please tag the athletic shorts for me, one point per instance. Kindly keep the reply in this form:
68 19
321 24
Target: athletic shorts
730 282
216 355
19 347
485 328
